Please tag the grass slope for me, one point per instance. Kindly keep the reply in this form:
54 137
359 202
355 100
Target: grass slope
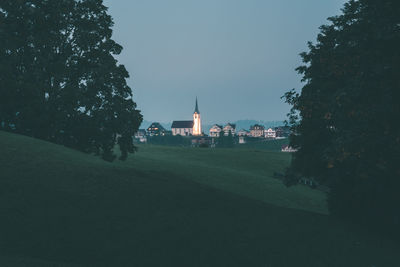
246 172
159 209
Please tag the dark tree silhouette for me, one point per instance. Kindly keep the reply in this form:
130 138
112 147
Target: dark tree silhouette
225 141
59 79
345 120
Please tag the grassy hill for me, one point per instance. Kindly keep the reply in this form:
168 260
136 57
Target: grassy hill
168 206
247 172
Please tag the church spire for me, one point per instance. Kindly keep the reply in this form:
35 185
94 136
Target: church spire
196 110
196 120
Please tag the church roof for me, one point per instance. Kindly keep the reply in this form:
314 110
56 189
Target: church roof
196 109
182 124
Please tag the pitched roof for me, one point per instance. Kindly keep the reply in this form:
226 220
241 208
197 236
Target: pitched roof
156 125
257 127
217 125
182 124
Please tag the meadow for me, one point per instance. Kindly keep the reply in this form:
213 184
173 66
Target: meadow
169 206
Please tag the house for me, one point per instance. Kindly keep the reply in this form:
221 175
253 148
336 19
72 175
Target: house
243 132
215 130
184 128
141 136
257 130
287 148
230 127
270 133
156 129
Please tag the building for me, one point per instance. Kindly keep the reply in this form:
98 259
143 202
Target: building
215 130
243 132
156 129
184 128
287 148
141 136
242 140
230 127
270 133
196 120
257 130
187 128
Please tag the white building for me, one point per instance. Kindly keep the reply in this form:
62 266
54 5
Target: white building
287 148
230 128
215 130
184 128
243 132
270 133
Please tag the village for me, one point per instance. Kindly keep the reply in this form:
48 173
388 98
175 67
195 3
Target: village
192 131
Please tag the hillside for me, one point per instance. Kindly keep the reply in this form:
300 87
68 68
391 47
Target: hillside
247 172
167 207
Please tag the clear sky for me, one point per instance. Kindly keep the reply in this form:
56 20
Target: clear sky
237 56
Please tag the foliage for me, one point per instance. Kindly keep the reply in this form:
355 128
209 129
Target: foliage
204 145
59 79
225 141
345 118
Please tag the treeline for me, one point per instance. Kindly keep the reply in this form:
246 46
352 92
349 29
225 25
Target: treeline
345 119
59 79
225 141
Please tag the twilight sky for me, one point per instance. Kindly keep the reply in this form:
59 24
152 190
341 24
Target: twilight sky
237 56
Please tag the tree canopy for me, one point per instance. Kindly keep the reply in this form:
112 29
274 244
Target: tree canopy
345 119
59 78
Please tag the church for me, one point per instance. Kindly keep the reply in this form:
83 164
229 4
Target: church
187 128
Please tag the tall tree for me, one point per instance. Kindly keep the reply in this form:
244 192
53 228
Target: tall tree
345 118
59 79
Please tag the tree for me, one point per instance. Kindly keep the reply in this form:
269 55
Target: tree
344 120
59 79
225 141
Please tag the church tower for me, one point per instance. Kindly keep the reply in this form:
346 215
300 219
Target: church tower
196 120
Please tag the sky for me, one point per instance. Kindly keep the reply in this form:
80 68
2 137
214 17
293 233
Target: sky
237 56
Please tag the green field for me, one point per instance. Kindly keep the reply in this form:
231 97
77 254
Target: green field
247 172
168 206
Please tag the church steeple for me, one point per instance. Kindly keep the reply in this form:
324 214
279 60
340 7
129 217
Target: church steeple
196 120
196 110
